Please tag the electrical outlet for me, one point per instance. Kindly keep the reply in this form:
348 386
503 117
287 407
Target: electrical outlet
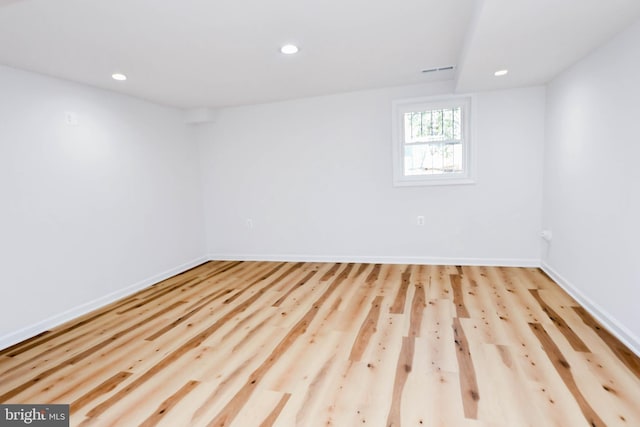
420 220
546 235
71 118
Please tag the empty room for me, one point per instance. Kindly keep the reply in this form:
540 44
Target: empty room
320 213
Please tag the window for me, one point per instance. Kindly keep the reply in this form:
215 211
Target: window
432 141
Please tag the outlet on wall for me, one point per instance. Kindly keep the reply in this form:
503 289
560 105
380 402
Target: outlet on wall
71 118
420 220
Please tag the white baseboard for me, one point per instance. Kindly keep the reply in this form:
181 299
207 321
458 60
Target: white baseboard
58 319
627 337
491 262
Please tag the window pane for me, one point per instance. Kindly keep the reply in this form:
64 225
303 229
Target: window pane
432 159
433 125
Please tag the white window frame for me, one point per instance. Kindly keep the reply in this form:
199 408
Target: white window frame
402 106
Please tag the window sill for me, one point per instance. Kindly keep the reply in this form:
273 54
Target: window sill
427 182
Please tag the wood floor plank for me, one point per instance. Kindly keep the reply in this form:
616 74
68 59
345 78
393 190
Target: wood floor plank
615 382
78 357
466 372
300 283
367 329
188 346
103 388
561 324
168 404
334 344
91 318
631 361
564 370
72 339
405 364
507 380
458 298
316 391
275 413
65 384
373 276
401 296
232 408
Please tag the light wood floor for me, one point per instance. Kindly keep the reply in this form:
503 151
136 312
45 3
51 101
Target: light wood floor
261 344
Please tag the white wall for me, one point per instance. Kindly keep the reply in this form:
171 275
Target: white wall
315 177
88 210
592 182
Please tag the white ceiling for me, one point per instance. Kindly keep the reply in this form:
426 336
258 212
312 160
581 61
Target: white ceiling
537 39
213 53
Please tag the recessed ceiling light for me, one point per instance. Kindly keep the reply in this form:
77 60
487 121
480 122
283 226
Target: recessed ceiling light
289 49
501 73
119 77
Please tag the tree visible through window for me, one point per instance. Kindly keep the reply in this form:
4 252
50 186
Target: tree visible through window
431 142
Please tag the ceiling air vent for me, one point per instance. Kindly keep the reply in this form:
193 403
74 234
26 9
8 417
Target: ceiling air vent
434 70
